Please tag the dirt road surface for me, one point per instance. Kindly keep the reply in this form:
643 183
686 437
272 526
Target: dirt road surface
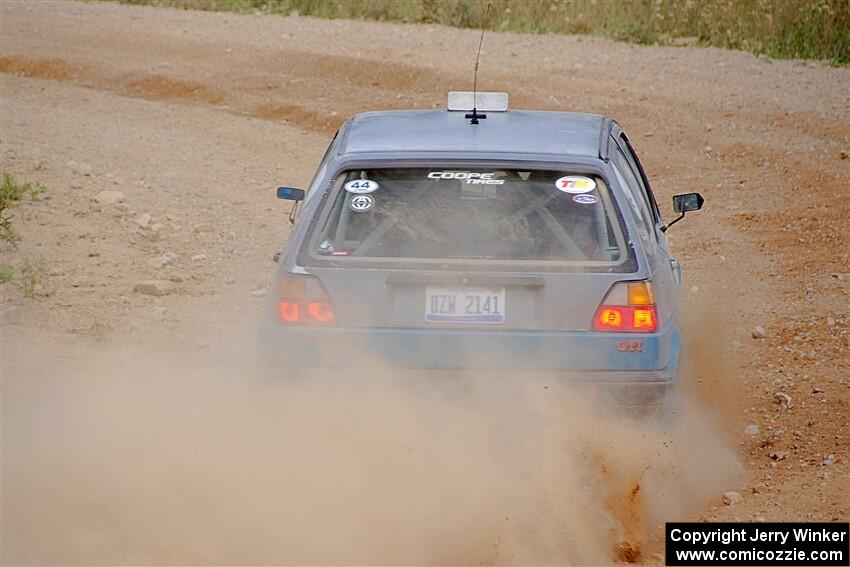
132 428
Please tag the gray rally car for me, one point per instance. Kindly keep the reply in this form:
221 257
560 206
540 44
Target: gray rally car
507 240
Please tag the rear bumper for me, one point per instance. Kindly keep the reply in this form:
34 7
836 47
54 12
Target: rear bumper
575 356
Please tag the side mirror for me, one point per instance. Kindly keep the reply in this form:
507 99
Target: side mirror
290 193
687 202
682 204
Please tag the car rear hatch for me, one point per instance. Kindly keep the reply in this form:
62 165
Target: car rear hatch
469 248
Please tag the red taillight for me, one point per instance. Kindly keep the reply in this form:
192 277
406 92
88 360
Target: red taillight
628 307
304 301
610 317
289 311
644 319
320 311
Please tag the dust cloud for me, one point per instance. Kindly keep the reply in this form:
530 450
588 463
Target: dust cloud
123 455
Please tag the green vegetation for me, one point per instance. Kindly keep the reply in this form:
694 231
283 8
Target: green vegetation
809 29
6 274
31 274
11 191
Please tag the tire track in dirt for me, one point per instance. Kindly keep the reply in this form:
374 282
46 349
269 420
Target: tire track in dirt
253 93
157 87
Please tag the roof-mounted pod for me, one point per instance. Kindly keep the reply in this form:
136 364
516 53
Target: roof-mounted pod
466 101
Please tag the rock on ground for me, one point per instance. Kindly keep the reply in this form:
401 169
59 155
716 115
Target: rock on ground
782 398
155 287
109 197
731 498
143 220
166 259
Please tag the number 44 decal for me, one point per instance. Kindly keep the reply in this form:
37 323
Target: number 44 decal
361 186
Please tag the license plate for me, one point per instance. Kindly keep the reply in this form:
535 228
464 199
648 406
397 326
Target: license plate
464 305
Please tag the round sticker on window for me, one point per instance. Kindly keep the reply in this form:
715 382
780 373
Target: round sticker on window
361 203
585 199
575 184
361 186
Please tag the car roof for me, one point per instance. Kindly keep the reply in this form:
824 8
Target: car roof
510 132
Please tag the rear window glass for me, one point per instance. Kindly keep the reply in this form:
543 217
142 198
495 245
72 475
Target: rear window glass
470 215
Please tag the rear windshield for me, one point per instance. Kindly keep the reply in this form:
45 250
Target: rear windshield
470 215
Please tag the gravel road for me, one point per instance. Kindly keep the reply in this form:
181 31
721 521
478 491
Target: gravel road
131 429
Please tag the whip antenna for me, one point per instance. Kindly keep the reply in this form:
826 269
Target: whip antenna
473 118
